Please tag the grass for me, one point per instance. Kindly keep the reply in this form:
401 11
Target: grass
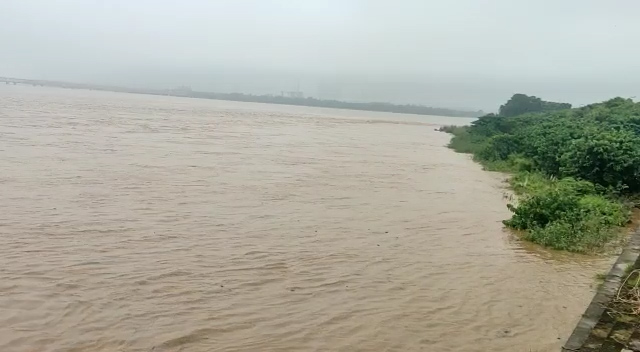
463 141
625 305
531 183
583 236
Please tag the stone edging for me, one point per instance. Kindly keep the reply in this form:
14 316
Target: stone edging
605 293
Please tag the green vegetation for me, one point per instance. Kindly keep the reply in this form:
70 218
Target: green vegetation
521 104
575 170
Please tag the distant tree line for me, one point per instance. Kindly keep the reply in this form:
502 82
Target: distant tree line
269 99
373 106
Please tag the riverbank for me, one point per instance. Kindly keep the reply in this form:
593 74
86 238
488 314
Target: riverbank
611 321
576 171
576 175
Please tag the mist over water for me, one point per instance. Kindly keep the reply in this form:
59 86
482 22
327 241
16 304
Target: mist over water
147 223
464 54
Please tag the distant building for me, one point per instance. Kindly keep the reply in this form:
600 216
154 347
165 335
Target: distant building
293 94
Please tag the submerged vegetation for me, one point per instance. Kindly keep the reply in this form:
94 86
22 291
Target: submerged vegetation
575 170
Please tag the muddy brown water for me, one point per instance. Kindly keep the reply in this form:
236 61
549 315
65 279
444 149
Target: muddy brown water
148 223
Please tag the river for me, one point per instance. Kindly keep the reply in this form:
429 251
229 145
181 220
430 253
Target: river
149 223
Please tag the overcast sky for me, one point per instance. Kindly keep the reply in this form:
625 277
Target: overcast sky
455 53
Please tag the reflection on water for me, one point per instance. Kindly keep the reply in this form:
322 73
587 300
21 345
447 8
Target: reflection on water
144 223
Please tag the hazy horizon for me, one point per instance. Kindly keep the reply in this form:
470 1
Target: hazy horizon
465 55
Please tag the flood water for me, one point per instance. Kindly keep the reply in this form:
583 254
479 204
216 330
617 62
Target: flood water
148 223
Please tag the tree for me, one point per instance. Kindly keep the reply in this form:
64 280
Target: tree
521 104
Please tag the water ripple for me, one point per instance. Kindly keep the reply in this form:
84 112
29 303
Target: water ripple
142 223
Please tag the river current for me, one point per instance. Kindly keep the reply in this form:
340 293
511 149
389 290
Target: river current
150 223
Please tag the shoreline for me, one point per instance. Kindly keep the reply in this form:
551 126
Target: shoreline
597 329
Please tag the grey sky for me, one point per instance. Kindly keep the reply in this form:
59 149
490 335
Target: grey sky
457 53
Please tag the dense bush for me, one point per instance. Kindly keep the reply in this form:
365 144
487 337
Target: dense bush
568 215
569 165
499 147
543 208
607 212
608 158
